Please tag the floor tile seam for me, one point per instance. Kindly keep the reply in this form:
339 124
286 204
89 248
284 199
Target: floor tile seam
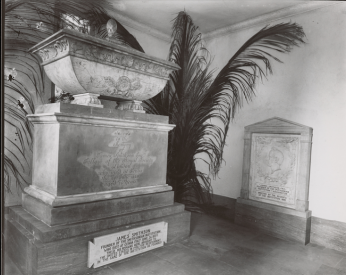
261 253
162 258
280 264
113 269
216 256
174 272
333 268
110 265
245 240
219 262
343 258
306 256
254 251
199 253
230 243
275 250
256 234
293 258
316 267
100 270
212 247
236 268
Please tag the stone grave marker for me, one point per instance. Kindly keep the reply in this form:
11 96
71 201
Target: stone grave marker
275 184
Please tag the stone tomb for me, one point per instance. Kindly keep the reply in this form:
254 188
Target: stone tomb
96 172
275 185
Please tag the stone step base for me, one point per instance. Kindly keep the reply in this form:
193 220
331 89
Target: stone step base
70 214
39 249
277 221
45 233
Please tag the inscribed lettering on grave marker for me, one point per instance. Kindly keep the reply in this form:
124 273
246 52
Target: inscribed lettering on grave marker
124 165
274 165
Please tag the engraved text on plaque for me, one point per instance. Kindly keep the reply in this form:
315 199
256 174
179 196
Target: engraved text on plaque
114 247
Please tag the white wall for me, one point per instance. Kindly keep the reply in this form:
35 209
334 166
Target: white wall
151 44
310 89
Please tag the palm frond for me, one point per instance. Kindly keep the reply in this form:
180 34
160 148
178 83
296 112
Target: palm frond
240 74
180 100
202 107
11 170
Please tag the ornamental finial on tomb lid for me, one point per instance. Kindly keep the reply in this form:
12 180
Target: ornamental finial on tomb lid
111 27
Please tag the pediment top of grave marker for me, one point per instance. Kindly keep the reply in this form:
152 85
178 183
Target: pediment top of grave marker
278 122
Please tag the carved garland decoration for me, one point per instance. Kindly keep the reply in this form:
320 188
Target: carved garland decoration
95 53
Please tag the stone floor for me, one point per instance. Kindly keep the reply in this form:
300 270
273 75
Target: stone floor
217 246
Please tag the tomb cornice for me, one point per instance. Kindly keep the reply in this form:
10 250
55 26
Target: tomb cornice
58 118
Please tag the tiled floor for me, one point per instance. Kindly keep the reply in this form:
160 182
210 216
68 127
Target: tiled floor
217 246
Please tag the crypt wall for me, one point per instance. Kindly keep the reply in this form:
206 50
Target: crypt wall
309 88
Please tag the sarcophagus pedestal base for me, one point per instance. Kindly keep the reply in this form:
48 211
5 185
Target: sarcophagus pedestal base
98 192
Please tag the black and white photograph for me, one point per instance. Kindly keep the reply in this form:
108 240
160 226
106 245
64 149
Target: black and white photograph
173 137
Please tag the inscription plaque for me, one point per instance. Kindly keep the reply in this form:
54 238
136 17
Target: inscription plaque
122 161
274 165
123 165
114 247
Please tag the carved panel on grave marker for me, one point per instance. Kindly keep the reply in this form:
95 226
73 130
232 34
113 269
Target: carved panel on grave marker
98 159
274 166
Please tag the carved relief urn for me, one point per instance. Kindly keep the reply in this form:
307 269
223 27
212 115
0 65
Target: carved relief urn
87 66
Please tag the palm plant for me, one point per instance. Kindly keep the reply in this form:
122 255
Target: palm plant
202 106
26 24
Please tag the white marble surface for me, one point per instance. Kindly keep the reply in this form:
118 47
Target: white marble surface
79 63
276 164
121 245
85 154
